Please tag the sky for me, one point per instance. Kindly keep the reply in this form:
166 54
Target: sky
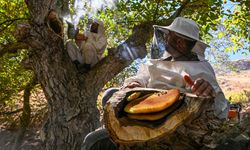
237 55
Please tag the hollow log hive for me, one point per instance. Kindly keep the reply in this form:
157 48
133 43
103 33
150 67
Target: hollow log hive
126 130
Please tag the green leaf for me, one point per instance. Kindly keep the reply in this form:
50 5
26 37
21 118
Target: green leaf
221 34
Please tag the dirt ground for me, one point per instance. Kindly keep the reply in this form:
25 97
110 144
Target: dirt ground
31 140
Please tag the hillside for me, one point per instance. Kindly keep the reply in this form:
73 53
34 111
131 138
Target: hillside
235 81
242 64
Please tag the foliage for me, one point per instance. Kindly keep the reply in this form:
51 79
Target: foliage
13 76
239 96
216 55
11 13
236 22
230 35
207 14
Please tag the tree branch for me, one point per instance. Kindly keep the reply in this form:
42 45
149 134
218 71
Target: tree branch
109 67
12 48
11 112
156 10
12 20
105 70
176 14
179 10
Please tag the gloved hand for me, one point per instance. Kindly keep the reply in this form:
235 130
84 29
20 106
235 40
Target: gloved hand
72 32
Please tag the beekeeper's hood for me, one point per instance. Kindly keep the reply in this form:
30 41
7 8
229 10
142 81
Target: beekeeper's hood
184 27
101 28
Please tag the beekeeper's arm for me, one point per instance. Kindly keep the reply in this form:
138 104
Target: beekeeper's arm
205 84
140 80
100 43
205 88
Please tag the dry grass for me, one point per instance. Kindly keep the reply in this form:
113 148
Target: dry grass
235 85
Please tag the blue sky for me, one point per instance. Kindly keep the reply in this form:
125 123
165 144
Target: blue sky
237 55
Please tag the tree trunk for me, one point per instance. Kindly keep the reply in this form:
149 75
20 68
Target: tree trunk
71 96
25 118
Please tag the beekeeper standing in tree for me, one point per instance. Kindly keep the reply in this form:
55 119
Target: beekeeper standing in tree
93 47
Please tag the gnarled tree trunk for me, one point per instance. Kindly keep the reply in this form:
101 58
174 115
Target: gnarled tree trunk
71 96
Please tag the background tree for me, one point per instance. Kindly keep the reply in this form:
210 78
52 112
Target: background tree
13 76
72 96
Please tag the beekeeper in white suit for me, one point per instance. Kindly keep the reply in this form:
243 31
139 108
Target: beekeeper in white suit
93 47
184 55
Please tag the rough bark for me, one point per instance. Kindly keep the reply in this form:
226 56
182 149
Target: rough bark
71 96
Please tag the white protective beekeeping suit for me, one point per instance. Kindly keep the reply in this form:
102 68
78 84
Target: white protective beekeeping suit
74 51
162 74
71 47
92 49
